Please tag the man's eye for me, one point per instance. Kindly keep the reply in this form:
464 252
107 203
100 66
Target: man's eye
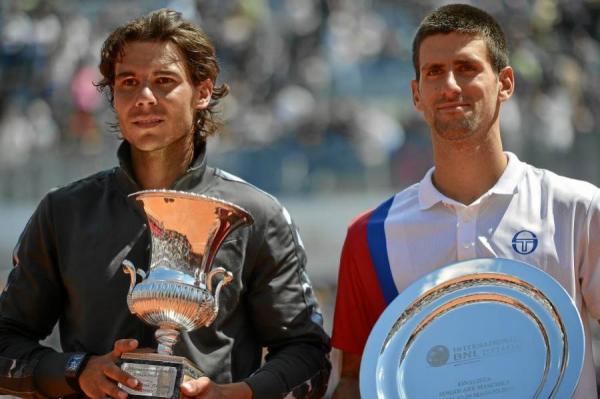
164 80
434 72
128 82
467 68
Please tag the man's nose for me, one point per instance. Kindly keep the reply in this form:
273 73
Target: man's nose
451 86
145 96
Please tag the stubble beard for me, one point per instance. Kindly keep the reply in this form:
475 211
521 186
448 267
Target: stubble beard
456 130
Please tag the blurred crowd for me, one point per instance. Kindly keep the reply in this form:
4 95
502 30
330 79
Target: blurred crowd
320 95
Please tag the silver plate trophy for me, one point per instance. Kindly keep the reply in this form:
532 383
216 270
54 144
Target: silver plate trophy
483 328
179 291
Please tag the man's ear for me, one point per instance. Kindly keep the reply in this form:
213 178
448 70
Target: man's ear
506 82
416 96
203 94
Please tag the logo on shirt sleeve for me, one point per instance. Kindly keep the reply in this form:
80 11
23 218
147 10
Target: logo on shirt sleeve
524 242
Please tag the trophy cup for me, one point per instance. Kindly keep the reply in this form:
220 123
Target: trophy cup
178 293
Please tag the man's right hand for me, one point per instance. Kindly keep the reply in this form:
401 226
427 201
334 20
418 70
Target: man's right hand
101 375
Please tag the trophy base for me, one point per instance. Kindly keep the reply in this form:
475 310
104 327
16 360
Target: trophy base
160 375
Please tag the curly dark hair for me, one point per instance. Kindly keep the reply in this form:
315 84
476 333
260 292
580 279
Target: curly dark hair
198 55
462 18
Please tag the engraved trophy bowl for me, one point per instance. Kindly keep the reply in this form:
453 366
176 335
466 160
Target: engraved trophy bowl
180 292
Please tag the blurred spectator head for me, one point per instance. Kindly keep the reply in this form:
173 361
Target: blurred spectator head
198 54
462 18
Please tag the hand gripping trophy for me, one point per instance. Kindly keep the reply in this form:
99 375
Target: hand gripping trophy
178 293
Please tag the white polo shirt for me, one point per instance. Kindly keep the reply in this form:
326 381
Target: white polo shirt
531 215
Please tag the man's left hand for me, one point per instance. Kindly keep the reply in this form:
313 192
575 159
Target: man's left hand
204 388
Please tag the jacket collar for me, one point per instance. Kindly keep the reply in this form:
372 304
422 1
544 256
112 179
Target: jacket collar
192 177
507 184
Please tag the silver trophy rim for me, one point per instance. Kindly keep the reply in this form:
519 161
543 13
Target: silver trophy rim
186 194
372 369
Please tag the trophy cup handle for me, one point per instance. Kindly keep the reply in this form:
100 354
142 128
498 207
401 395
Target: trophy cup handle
129 268
227 278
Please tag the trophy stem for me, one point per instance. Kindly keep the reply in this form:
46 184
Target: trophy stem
167 338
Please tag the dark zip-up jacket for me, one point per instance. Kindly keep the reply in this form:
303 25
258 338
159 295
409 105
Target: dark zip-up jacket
68 269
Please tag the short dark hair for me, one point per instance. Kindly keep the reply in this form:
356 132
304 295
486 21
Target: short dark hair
198 55
462 18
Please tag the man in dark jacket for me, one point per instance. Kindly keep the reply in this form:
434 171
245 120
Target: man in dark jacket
160 73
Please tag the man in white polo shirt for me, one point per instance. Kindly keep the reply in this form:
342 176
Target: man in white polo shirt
477 201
